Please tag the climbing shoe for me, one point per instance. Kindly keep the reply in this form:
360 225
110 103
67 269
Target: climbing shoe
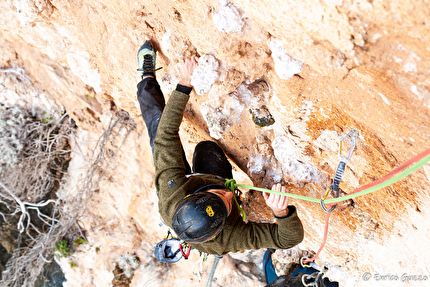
146 59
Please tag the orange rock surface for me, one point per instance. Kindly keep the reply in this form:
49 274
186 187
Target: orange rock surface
366 65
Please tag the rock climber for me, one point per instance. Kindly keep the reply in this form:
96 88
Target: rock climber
195 203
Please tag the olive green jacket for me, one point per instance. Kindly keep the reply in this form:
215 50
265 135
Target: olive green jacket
173 185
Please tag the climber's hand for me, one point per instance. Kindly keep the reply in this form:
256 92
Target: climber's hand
186 70
278 203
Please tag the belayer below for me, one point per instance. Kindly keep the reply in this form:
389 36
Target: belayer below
301 277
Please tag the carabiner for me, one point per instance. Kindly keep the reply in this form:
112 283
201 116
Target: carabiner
311 264
353 134
310 277
325 196
301 261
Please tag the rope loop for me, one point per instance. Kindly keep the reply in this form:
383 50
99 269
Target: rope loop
230 184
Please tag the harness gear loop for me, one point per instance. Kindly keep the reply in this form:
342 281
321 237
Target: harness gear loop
303 280
353 134
316 276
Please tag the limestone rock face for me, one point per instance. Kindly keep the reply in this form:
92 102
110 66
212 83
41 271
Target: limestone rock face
331 65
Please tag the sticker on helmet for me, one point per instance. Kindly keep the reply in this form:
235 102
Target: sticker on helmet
210 211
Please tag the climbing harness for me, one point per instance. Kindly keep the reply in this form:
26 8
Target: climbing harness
212 272
353 134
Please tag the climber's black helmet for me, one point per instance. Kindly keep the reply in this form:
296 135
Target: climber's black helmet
199 217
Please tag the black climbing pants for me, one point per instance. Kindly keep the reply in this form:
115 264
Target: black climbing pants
208 157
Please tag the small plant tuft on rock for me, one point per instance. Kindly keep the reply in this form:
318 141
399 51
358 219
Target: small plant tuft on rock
63 248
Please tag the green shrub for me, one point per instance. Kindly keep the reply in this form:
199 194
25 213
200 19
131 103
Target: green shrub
63 247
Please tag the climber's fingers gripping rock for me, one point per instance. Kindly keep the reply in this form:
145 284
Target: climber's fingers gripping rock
278 203
186 70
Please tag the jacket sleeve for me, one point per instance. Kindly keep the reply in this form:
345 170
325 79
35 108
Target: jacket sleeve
286 234
241 236
169 163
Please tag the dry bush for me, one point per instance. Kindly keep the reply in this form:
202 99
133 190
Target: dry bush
34 157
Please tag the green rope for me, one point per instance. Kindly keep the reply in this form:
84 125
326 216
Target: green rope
231 184
281 193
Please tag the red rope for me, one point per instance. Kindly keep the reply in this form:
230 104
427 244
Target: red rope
327 218
395 171
376 182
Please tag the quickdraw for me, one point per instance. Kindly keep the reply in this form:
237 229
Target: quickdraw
202 265
353 134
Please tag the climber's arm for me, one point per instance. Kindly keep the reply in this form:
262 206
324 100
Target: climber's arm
238 236
168 156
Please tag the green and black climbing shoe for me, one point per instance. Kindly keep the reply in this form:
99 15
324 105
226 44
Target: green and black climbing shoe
146 59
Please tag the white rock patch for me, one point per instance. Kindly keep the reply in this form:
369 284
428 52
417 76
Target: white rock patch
165 41
229 18
328 140
337 273
422 94
384 99
301 172
221 112
205 74
26 11
261 163
79 62
285 65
